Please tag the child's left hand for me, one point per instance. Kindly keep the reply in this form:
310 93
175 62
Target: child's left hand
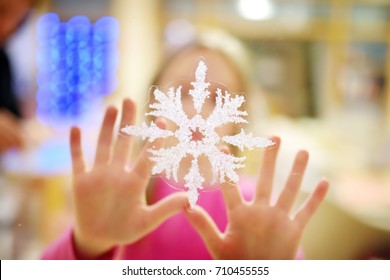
257 229
110 198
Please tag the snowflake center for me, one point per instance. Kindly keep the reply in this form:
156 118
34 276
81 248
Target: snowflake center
196 135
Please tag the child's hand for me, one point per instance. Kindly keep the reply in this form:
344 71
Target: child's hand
110 201
257 229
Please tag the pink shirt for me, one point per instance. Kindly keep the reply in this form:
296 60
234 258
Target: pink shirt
173 239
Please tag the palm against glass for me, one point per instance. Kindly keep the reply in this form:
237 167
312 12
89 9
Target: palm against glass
110 201
257 229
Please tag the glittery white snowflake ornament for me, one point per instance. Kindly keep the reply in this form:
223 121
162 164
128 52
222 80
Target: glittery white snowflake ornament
169 105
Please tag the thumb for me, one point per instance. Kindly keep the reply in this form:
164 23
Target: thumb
207 229
166 207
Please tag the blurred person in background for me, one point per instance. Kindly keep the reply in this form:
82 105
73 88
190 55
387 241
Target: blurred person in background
12 15
121 213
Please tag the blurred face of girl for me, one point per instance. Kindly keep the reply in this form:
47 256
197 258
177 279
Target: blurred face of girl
220 74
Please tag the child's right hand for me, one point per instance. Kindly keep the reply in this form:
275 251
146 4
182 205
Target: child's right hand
110 200
259 229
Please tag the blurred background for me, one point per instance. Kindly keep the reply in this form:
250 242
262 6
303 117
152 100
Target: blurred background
318 75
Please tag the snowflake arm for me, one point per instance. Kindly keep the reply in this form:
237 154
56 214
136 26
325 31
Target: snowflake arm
152 132
167 160
227 110
224 165
243 140
194 182
200 92
168 106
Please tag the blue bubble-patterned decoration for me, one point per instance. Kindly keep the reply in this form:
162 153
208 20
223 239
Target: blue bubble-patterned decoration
77 62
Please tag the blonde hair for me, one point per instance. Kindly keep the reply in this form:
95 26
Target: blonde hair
230 47
217 40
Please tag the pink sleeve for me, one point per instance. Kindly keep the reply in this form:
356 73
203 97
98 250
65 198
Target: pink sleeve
64 249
